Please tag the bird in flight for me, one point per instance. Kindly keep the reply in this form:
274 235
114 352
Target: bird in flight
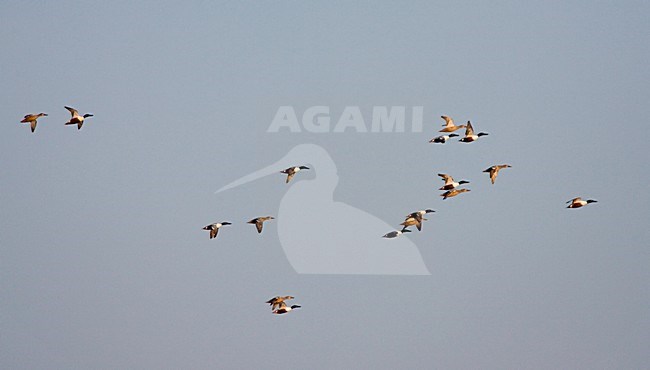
76 118
214 228
259 222
494 171
396 233
276 301
284 308
442 139
470 135
32 118
449 125
291 171
450 183
416 218
452 193
579 202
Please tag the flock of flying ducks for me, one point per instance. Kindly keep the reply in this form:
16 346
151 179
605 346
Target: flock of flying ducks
258 221
76 118
451 188
278 306
449 126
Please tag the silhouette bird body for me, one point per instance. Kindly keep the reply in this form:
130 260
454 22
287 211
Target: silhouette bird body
320 235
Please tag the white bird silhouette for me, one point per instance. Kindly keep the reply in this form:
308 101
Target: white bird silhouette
322 236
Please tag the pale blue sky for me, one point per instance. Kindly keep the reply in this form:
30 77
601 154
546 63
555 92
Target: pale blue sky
103 261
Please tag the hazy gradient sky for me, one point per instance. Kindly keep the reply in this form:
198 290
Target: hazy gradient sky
103 261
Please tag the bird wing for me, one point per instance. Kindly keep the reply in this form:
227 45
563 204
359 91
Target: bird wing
448 179
72 111
259 225
493 174
290 176
214 232
448 121
33 125
469 130
409 222
414 214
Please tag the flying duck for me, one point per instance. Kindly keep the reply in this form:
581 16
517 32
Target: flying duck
449 125
259 222
214 228
31 118
420 213
450 183
494 171
442 139
76 118
470 135
284 308
413 221
291 171
277 301
452 193
578 202
396 233
416 218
